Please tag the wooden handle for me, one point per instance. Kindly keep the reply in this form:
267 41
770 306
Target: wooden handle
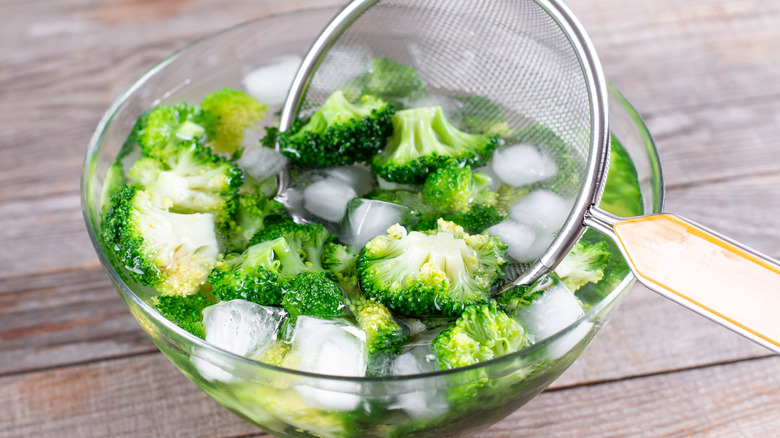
707 273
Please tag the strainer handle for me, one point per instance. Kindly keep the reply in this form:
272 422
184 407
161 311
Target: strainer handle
705 272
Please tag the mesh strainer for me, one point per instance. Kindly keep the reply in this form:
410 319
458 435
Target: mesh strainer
532 58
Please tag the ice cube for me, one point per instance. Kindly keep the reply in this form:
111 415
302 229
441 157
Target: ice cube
262 162
331 347
240 327
519 239
357 176
523 164
542 210
328 198
495 181
418 403
270 83
553 311
367 218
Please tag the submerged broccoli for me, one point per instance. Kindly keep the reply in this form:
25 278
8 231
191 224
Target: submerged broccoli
254 212
481 333
585 263
186 312
423 141
480 114
392 81
457 189
308 240
164 127
257 274
169 251
193 178
340 132
312 294
226 115
438 272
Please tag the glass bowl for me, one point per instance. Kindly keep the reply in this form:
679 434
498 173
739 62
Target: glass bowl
284 402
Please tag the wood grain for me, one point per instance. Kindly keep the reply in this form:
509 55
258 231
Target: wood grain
704 73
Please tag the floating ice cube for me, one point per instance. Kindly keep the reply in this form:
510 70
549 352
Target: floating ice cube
270 83
523 164
328 198
367 218
328 347
240 327
292 199
542 210
553 311
262 162
519 239
357 176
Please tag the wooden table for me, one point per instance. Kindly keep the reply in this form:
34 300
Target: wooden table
705 74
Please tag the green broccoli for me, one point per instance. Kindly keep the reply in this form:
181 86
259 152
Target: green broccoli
193 178
275 354
226 115
169 251
585 263
482 332
477 220
457 189
308 240
480 114
392 81
164 127
257 274
523 295
313 294
622 195
254 212
423 141
340 132
438 272
383 332
186 312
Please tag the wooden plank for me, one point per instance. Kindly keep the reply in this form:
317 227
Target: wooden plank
64 318
738 399
131 397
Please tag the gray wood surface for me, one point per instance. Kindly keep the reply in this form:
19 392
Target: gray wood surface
705 75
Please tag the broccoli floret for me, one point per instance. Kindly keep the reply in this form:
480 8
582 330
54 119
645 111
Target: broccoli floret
480 114
481 333
392 81
257 274
169 251
112 184
255 211
585 263
226 115
339 259
340 132
622 195
313 294
186 312
423 141
276 353
457 189
162 129
308 240
193 178
438 272
477 220
523 295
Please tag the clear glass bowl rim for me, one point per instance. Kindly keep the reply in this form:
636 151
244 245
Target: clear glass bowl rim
200 344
